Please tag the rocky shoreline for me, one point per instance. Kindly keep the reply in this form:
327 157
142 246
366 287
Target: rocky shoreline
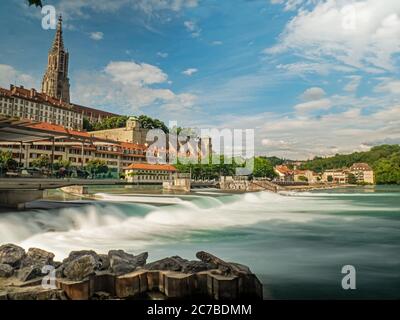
87 275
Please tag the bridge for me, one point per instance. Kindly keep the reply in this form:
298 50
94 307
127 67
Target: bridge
16 192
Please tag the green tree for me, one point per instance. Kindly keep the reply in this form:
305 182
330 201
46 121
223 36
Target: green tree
37 3
263 168
351 178
66 164
7 162
42 162
387 171
87 125
96 167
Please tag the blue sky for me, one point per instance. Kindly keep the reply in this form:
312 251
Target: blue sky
312 77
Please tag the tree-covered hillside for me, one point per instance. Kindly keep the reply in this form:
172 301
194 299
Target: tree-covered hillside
384 159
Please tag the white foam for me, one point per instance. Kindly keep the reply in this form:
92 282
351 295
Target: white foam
135 227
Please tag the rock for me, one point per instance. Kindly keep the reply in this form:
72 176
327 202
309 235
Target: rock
6 271
123 263
241 267
77 254
29 273
37 257
74 255
80 268
170 264
105 262
224 267
11 254
197 266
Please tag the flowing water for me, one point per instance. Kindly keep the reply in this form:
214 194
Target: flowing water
296 243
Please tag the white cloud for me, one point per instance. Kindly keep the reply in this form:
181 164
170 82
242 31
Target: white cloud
128 87
389 86
322 104
314 100
314 93
354 83
322 68
9 75
289 4
98 35
190 71
217 43
193 28
162 54
304 136
80 8
360 34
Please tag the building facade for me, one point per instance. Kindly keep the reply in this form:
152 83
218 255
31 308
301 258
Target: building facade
363 173
337 176
19 102
132 132
116 155
149 173
284 174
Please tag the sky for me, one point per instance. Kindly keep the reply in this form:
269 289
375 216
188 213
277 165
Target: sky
311 77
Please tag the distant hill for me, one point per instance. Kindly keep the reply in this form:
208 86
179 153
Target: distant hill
384 159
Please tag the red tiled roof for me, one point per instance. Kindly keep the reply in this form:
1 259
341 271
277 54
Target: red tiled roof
33 95
56 128
133 146
283 169
147 166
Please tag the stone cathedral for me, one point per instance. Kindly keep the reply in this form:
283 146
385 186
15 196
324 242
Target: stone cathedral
55 81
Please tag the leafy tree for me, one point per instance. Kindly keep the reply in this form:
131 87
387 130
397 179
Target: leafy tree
263 168
96 166
387 170
149 123
37 3
120 122
87 125
351 179
7 162
66 164
42 162
383 159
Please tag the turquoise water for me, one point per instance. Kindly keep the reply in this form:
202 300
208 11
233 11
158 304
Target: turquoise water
297 244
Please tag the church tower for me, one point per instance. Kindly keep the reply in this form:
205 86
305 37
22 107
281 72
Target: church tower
55 81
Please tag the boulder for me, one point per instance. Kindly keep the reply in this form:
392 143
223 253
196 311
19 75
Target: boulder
80 268
11 254
168 264
123 263
77 254
197 266
105 261
6 271
29 273
37 257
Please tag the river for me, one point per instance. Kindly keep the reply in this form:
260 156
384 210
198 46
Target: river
296 243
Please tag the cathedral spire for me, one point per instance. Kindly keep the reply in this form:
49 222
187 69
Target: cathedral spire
58 43
55 81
